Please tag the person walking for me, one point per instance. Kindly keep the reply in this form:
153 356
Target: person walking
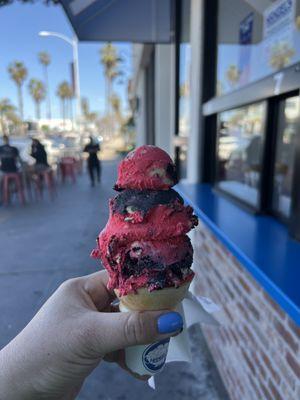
93 162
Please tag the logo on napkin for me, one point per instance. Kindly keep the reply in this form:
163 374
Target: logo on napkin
154 356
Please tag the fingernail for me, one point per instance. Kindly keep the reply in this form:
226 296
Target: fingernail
170 322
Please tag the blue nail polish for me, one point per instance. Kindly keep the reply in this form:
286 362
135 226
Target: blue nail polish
170 322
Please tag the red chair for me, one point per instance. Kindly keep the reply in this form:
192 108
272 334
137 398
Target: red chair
45 179
48 176
68 168
79 165
7 180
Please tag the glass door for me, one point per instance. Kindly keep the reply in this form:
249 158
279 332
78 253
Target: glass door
288 129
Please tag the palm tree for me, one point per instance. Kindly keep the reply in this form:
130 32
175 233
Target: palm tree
117 120
233 75
85 107
88 116
6 109
38 93
18 73
45 60
64 92
110 61
115 102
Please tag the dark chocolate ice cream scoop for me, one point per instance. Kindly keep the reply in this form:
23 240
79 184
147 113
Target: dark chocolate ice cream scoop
129 201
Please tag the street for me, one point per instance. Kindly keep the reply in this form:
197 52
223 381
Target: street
44 243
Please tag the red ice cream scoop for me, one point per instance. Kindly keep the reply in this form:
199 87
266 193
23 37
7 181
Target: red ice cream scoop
151 214
147 167
146 263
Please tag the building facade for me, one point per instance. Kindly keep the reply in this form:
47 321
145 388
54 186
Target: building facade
223 100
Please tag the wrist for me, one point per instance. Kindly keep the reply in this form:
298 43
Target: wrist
14 380
25 377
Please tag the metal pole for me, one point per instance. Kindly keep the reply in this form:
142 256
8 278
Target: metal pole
77 83
74 43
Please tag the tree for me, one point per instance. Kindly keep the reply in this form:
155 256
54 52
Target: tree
18 73
6 109
13 121
45 60
116 106
110 61
64 92
85 107
38 93
129 132
88 116
233 75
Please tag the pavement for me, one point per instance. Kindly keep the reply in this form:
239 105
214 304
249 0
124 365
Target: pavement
46 242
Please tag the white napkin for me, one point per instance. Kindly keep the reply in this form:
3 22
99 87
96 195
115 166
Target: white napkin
194 310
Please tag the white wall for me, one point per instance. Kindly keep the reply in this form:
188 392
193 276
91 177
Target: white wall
164 96
141 113
196 135
138 90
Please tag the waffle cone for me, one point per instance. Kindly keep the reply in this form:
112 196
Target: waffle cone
162 299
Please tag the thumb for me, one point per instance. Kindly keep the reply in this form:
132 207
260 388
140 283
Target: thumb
115 331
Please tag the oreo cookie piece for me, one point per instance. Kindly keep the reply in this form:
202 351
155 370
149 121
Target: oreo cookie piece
130 201
159 272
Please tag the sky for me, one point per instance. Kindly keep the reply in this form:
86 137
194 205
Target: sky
19 40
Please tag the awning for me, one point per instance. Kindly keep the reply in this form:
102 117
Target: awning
143 21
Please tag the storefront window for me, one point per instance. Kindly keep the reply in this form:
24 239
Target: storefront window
184 86
239 151
283 175
255 39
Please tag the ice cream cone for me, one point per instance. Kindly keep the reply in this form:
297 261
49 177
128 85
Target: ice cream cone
145 360
163 299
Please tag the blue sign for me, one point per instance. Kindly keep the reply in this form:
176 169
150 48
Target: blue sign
246 29
245 39
279 12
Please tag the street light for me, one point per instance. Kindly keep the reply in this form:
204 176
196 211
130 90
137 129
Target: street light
74 43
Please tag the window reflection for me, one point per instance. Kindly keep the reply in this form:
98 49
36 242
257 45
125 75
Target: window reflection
184 86
286 135
255 39
239 149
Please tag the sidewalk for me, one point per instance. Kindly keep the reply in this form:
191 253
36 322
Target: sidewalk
44 243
